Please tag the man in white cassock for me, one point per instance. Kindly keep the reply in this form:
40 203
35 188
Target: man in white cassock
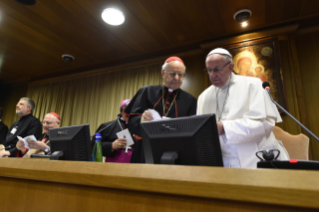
244 112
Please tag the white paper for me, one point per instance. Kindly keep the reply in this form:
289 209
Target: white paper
26 140
155 114
126 134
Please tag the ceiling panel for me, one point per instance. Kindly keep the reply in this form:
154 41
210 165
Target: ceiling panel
33 38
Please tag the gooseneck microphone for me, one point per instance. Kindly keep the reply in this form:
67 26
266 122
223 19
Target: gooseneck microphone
266 86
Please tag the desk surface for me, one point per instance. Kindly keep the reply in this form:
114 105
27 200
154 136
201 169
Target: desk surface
266 186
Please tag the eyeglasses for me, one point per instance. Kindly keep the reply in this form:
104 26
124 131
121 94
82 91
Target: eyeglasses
215 70
173 74
47 122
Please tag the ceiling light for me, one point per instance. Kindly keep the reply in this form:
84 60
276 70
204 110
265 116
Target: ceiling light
244 24
242 16
113 16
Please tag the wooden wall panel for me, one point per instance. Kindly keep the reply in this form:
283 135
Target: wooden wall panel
308 52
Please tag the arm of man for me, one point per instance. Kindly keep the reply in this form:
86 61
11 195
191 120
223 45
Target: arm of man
135 109
256 123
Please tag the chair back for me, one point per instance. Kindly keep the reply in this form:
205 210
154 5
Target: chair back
297 146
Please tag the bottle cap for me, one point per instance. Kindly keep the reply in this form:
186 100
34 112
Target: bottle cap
98 136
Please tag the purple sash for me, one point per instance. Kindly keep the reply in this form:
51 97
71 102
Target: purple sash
120 156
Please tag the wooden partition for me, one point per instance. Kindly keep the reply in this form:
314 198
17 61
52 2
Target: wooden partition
43 185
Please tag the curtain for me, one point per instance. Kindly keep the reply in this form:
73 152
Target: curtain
95 99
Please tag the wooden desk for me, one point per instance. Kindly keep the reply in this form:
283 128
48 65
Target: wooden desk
43 185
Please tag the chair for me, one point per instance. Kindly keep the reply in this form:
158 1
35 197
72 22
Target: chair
297 146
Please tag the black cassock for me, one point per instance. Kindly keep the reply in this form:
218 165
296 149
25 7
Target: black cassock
109 135
177 104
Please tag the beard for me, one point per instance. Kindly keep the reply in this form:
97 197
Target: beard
19 112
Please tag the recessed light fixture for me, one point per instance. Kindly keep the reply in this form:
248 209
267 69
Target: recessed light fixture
113 16
242 16
244 24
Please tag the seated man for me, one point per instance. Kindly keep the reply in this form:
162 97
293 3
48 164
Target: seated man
110 143
51 120
25 126
244 112
167 99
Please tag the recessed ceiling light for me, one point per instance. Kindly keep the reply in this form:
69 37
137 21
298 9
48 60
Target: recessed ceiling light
244 24
113 16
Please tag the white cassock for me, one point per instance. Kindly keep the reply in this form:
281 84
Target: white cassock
248 117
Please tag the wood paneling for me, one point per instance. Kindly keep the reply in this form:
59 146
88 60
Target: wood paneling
308 53
33 38
87 186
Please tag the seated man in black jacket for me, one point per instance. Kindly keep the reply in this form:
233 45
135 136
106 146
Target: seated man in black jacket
26 125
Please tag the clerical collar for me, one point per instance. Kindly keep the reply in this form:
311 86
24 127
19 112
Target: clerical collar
170 90
26 116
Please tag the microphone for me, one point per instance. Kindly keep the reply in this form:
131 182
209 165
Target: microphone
266 86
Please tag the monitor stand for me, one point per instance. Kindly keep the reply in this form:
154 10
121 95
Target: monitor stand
53 156
169 157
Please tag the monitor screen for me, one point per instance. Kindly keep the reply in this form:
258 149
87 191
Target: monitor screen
195 139
74 141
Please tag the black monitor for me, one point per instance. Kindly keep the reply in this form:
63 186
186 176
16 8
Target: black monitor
73 141
190 140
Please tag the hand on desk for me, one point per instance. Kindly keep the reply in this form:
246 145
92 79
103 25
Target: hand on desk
4 154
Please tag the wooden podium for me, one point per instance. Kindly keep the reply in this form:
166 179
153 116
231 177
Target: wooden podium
44 185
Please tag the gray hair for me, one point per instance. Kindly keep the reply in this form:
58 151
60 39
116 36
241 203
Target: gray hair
57 120
30 103
165 65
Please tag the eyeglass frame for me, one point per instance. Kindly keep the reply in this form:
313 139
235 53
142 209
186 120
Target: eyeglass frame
215 69
47 122
173 74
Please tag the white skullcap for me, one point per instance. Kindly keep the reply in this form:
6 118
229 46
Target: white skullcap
219 51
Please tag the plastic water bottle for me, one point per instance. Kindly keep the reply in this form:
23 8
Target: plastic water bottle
97 154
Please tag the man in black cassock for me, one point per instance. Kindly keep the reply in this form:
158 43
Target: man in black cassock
168 100
110 142
26 125
3 128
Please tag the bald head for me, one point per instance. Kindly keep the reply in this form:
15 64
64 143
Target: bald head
50 121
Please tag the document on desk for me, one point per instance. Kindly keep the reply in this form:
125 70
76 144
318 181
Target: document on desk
126 134
27 139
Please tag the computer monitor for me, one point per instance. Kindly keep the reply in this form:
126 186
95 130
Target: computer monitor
193 140
73 141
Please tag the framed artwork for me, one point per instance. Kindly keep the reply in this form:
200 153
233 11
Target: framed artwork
260 58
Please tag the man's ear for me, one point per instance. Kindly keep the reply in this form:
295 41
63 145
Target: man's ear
231 66
29 108
162 72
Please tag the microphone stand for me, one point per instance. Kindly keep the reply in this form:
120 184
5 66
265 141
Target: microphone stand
293 118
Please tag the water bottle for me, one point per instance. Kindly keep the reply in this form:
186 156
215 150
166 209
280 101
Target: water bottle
97 154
